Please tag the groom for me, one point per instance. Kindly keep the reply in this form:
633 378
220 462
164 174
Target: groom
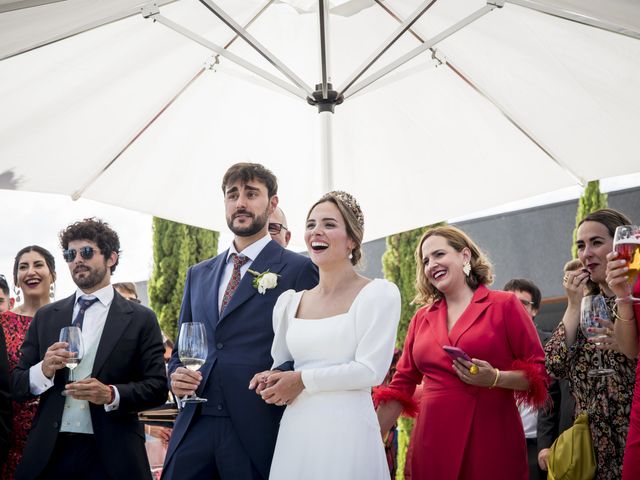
232 436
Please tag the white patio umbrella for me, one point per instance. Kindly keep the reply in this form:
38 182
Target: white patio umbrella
509 102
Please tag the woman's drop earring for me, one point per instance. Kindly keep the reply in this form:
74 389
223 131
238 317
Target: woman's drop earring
466 268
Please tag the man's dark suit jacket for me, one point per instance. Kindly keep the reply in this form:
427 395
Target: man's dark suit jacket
559 416
239 346
5 400
129 356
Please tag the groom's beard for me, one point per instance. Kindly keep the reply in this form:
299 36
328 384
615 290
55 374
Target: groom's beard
257 223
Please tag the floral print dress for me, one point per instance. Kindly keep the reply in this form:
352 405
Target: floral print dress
606 400
15 328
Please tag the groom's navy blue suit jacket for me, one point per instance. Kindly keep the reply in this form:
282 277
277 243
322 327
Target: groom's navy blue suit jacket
239 346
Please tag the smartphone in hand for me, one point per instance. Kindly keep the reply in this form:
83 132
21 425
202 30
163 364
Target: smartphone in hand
456 353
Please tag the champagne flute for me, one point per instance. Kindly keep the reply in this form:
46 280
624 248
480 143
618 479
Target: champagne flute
626 241
192 350
592 309
73 337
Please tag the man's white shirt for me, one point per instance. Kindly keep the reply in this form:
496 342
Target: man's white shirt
94 319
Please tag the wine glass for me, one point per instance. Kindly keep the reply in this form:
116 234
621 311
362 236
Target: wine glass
192 350
592 309
626 241
73 337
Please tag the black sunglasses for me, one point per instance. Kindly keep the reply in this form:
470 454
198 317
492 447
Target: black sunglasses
3 280
85 252
276 228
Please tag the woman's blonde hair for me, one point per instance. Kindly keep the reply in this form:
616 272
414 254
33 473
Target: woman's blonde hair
481 269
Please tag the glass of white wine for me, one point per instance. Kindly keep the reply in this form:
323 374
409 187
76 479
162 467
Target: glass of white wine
192 350
73 337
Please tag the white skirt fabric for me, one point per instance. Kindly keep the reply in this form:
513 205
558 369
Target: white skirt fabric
332 435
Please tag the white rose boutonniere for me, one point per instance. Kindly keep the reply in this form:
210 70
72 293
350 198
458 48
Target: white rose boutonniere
264 281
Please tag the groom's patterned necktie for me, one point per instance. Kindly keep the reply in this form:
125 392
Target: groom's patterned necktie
84 304
238 262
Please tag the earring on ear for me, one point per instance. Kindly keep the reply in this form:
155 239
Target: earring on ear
350 256
52 291
466 268
17 291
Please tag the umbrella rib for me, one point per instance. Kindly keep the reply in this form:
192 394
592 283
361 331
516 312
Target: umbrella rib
577 18
581 181
386 45
257 46
418 50
84 28
25 4
491 100
78 193
230 56
323 16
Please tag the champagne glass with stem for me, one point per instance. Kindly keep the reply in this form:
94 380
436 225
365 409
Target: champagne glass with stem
592 309
626 241
192 350
73 337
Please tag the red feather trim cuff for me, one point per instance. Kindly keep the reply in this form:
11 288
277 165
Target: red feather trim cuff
385 394
537 395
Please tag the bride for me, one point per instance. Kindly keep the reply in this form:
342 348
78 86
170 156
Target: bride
340 337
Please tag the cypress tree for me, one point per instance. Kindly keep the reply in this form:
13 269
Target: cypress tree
399 267
176 247
590 201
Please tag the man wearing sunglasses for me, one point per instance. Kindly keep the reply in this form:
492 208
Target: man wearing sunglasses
232 436
278 228
89 428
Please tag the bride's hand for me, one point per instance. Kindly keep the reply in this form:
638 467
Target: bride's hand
283 388
260 381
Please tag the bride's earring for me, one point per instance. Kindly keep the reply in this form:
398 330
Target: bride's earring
52 291
17 292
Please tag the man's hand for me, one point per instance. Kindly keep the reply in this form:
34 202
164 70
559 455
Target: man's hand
259 381
55 358
286 386
185 382
543 459
162 433
89 389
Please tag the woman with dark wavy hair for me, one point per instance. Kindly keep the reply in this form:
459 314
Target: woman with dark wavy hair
34 275
468 424
570 355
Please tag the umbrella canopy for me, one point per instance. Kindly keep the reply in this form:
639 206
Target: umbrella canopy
138 114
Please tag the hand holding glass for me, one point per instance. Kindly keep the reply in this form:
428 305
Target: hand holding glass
192 350
626 242
592 309
73 337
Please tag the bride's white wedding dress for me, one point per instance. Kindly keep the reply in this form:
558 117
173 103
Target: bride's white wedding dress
330 431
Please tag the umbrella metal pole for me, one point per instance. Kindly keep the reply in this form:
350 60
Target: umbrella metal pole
326 150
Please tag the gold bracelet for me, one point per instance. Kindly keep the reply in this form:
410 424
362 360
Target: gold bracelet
617 316
495 382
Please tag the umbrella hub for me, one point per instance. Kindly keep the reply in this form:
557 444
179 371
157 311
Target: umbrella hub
327 104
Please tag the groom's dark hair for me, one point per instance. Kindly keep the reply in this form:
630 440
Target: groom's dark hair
246 172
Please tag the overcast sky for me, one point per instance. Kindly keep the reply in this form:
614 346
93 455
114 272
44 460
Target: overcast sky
37 218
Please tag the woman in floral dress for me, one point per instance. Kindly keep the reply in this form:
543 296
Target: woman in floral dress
570 355
34 273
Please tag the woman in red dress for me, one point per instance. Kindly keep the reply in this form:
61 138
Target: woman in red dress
34 273
468 424
626 330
